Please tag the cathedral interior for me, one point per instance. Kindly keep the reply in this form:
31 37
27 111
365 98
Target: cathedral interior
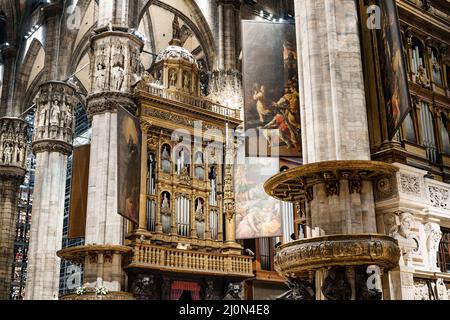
118 176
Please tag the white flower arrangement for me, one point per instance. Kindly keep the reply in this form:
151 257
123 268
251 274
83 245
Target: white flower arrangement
101 291
80 291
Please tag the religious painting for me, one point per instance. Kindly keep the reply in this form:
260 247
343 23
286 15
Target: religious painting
393 67
271 97
79 191
128 165
257 214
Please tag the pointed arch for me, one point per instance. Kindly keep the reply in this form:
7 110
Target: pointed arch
24 74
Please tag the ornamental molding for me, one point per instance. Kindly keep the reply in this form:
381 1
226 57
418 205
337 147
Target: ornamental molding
52 146
100 103
301 256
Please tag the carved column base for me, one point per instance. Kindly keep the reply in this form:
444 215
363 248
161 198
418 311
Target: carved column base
231 247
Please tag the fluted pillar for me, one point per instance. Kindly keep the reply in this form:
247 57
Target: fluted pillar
52 143
13 139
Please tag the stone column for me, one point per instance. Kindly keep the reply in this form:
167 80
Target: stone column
228 29
333 112
115 68
334 123
13 144
52 143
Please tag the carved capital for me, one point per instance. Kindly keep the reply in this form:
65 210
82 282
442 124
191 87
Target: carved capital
110 102
54 113
13 142
52 146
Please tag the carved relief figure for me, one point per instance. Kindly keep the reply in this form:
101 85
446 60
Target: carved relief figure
299 290
404 236
233 292
336 286
434 235
142 287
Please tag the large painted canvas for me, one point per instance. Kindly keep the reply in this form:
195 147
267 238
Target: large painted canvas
128 165
270 81
257 214
79 191
393 67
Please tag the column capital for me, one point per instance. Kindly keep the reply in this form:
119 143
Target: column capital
13 147
116 60
104 102
54 118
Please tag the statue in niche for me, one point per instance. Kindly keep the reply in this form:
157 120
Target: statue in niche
209 291
166 212
421 77
142 287
233 292
118 66
200 219
165 206
42 117
118 78
173 78
199 214
186 81
118 56
55 112
199 172
299 290
406 241
165 160
7 153
181 163
67 113
100 76
336 286
434 235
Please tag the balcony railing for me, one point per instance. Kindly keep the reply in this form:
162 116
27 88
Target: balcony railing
155 257
186 98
